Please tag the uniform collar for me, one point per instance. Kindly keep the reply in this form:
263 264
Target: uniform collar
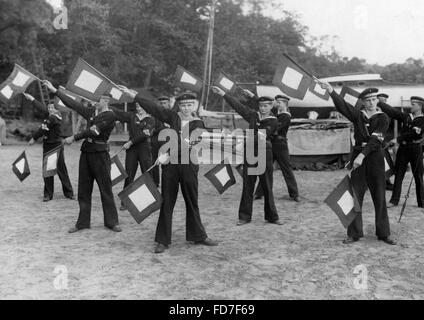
187 120
369 117
142 117
413 118
284 112
269 117
56 115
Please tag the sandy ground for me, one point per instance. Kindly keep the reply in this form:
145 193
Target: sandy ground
303 259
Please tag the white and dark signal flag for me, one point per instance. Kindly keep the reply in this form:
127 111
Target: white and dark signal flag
351 96
221 177
117 171
225 83
21 167
16 83
316 89
50 160
141 198
90 83
187 80
292 79
344 202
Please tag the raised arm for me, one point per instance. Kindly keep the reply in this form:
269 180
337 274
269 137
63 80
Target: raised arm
155 110
122 116
344 107
37 105
86 112
392 112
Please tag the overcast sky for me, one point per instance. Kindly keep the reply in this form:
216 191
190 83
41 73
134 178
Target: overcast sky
381 31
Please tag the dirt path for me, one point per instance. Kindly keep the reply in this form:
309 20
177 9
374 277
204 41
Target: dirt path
303 259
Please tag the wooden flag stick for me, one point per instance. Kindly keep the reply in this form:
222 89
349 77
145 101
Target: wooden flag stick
409 190
120 150
298 65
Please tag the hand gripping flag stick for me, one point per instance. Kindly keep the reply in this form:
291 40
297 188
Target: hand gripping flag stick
409 189
119 152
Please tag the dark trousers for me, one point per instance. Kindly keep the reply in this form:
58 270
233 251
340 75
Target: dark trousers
371 175
412 154
95 166
155 153
174 175
62 172
137 155
265 180
280 153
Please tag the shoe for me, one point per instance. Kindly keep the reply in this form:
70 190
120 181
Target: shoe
207 242
70 197
350 240
388 240
160 248
257 197
391 205
242 223
116 228
278 222
122 208
296 199
73 230
47 199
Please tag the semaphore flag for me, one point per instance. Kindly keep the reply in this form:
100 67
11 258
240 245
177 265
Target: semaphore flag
50 160
21 167
225 83
350 96
117 171
16 83
344 202
316 89
90 83
141 198
221 177
292 79
187 80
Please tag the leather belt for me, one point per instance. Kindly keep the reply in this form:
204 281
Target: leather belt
411 143
89 140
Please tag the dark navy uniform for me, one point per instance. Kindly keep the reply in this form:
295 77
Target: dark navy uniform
94 163
369 136
174 176
270 124
156 144
280 152
409 152
51 132
140 132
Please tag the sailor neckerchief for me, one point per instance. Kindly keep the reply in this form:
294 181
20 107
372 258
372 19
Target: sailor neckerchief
365 113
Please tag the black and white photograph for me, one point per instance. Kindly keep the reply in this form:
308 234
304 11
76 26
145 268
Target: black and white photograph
211 154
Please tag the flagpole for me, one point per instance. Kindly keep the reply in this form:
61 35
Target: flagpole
299 66
208 57
409 189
